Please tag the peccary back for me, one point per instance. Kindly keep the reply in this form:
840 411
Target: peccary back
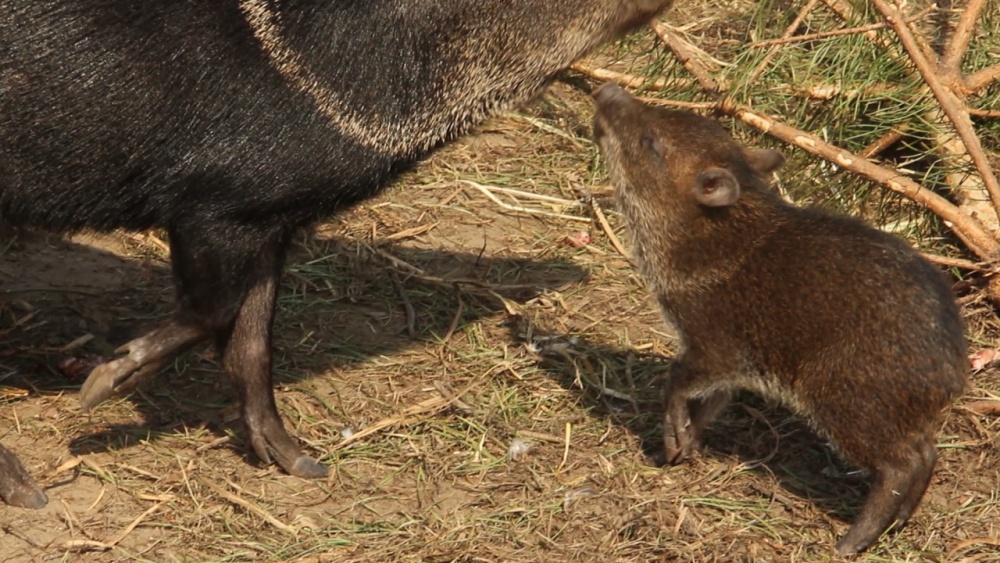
231 123
846 325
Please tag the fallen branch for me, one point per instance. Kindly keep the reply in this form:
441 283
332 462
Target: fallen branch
956 262
948 100
966 227
883 142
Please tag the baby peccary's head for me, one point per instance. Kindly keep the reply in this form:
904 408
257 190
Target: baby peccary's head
846 325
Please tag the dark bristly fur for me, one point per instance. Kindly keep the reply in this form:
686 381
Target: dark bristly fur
844 324
231 123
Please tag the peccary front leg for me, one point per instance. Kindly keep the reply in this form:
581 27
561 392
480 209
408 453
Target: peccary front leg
247 359
145 356
226 277
16 486
688 408
227 281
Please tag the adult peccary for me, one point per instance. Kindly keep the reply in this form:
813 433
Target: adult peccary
231 123
846 325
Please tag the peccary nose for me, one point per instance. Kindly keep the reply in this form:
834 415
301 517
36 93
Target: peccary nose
610 94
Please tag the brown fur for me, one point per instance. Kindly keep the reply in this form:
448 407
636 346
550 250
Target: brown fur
844 324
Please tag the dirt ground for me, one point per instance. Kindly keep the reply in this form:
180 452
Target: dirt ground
506 378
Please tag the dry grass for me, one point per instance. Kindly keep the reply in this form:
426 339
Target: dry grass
540 343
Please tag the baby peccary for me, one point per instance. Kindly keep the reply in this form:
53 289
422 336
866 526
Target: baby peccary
846 325
233 123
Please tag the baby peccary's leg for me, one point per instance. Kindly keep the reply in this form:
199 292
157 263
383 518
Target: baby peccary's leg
896 490
927 452
687 410
16 486
144 358
247 359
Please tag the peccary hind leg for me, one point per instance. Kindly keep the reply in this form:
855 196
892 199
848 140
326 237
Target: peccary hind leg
144 358
896 490
16 486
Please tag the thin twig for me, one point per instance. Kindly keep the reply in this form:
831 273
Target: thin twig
410 414
411 315
984 112
540 197
128 529
250 507
789 31
684 52
955 262
883 142
982 78
839 32
421 275
608 230
487 191
846 12
105 545
632 81
567 433
959 44
625 80
411 232
950 103
453 326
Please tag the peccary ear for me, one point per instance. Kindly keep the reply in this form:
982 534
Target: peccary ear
764 161
716 187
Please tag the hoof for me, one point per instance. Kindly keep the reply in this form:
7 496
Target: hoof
105 381
673 456
27 497
848 548
308 468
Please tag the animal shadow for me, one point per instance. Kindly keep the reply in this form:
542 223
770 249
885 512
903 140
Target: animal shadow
66 306
771 441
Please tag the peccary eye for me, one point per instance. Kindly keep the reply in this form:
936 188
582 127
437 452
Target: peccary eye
650 143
